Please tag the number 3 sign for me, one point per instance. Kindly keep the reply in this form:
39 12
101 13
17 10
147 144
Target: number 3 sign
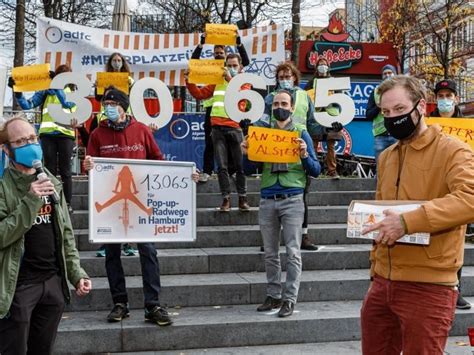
233 96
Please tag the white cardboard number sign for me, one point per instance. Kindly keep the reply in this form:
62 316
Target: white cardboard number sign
234 94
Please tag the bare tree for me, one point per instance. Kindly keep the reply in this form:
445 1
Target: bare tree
295 30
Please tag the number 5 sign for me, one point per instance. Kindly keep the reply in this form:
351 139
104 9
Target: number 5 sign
234 94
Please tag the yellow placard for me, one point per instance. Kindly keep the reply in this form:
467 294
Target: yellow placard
273 145
221 34
31 77
206 71
119 80
461 128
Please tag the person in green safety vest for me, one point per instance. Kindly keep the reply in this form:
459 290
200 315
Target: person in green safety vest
281 209
226 133
382 139
288 78
330 135
57 140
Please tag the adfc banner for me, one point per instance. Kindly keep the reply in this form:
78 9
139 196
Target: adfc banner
161 55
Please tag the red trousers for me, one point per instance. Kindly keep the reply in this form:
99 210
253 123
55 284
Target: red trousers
412 317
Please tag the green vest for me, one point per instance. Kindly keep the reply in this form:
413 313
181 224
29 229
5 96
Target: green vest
295 177
207 103
218 109
378 127
48 125
299 116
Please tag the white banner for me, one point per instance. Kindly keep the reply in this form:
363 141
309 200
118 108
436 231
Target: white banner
141 201
163 56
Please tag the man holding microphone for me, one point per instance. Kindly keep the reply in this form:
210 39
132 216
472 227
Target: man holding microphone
37 248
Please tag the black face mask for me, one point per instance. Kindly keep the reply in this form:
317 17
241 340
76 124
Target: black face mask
281 114
401 127
219 57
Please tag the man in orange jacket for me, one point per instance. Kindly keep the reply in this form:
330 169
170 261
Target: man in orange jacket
410 304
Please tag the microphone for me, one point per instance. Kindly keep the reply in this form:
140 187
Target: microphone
41 175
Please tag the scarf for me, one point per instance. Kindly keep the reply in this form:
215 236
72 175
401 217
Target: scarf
281 167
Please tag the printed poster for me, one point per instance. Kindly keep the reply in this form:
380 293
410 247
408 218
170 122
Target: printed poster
141 201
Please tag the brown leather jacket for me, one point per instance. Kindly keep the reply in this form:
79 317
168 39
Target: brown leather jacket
439 169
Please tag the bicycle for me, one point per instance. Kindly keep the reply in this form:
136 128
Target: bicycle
262 66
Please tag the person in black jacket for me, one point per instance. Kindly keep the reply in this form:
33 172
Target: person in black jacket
446 106
219 53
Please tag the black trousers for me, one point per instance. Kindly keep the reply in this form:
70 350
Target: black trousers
57 151
32 323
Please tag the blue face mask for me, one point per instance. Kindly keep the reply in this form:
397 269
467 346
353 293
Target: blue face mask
111 112
233 72
445 105
26 154
286 84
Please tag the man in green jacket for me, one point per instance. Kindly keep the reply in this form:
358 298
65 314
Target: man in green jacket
37 249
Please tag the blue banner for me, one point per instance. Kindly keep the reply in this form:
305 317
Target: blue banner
360 93
183 139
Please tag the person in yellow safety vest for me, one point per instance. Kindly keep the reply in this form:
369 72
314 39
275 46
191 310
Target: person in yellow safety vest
219 52
330 135
226 134
382 139
57 140
288 78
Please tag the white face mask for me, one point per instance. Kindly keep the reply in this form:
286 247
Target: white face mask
116 64
323 69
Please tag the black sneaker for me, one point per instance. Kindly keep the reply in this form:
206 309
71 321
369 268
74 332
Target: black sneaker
287 309
119 312
462 303
158 315
269 304
306 243
70 209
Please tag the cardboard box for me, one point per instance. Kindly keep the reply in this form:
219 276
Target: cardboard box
362 214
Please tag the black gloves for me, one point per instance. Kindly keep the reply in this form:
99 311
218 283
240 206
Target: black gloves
244 124
238 40
51 74
337 127
11 82
203 40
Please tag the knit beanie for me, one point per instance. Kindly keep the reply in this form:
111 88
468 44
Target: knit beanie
118 96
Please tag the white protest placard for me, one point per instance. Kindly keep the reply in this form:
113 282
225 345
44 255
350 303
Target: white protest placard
141 201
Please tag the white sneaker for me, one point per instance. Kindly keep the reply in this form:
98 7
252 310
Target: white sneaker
203 177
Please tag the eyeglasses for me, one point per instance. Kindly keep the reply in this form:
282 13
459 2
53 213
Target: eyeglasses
25 140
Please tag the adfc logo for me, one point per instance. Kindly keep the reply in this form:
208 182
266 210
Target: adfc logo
127 192
53 34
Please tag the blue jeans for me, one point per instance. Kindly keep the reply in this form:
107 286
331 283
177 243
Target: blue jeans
150 273
381 143
283 217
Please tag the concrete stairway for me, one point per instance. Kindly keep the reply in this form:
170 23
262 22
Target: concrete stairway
212 286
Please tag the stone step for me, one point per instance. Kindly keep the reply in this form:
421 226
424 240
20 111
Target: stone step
239 236
243 259
240 288
229 260
455 346
209 200
220 326
212 217
230 289
80 186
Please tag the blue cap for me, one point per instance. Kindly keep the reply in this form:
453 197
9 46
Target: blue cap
391 67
